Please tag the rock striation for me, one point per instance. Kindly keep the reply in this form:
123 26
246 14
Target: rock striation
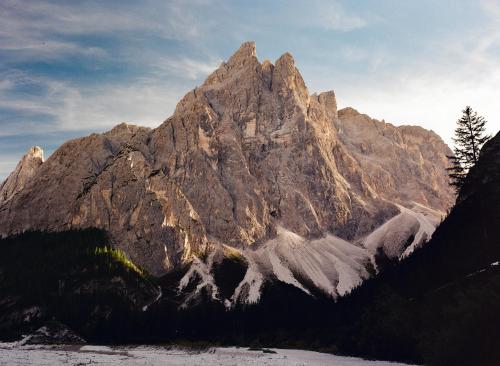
247 158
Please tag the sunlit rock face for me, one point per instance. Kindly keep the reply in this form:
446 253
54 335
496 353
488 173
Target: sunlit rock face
244 154
25 170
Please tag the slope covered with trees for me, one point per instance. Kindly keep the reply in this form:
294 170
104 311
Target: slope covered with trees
74 277
440 305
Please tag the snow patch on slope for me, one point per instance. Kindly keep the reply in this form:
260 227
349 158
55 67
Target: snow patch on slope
424 233
418 223
198 267
248 289
392 236
330 263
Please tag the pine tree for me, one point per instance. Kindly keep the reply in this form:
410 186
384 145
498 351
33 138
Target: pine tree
469 139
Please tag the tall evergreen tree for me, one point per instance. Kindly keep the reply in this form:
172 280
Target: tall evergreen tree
469 139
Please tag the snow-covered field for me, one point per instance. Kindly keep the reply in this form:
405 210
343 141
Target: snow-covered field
14 354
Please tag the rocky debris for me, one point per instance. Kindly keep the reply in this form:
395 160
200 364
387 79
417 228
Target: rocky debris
52 332
248 151
25 170
15 318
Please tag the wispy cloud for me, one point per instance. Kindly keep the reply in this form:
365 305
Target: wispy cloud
47 29
79 108
150 79
332 15
433 92
187 67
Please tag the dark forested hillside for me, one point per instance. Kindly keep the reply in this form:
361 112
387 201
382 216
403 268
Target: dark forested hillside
74 277
442 304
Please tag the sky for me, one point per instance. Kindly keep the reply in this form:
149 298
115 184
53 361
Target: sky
70 68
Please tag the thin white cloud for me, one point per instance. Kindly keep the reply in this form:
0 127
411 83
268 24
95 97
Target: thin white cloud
39 30
433 93
431 100
355 54
146 102
323 14
331 15
48 49
186 67
42 28
491 8
430 91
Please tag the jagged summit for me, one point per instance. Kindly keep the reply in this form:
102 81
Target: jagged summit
248 161
243 66
35 152
25 169
246 50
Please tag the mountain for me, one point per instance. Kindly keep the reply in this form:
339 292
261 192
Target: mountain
24 171
250 168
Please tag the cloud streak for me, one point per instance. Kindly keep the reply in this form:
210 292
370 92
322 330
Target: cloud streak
189 68
73 109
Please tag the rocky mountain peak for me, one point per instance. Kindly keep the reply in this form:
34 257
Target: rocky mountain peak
349 111
24 171
244 71
242 64
34 153
286 78
246 51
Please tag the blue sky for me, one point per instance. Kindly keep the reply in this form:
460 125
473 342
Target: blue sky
70 68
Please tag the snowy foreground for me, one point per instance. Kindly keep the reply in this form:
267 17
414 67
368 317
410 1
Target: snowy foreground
13 354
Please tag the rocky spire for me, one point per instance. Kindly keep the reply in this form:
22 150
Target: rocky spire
245 58
287 79
247 50
25 169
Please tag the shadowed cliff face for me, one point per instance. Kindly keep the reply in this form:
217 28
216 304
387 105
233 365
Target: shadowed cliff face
440 306
248 152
